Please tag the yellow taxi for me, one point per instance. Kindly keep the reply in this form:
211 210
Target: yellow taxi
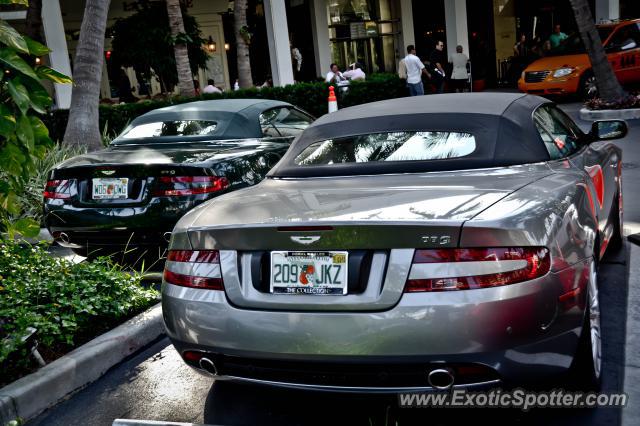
567 69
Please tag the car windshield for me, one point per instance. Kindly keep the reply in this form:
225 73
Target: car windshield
392 146
170 128
573 45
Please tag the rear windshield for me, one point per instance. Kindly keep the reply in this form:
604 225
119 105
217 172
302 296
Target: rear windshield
392 146
170 128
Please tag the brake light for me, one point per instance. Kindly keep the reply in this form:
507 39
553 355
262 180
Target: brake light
172 186
58 189
194 268
465 269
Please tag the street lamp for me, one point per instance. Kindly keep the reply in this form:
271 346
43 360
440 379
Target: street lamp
211 45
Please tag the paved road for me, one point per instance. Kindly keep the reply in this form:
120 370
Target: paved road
155 384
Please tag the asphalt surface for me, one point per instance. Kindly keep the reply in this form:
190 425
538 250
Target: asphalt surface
156 385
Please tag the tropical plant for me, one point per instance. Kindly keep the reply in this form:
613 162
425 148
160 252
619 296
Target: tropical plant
66 303
243 39
24 138
609 87
176 24
82 127
152 50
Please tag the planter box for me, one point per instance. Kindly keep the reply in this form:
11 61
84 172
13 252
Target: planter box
610 114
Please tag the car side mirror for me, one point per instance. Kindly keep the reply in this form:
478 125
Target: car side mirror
608 129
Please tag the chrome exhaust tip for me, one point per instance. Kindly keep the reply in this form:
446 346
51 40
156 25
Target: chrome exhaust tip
167 236
441 379
64 237
207 365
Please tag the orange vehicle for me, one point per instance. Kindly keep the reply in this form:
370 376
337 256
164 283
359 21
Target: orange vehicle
567 69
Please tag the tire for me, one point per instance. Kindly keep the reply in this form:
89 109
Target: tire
588 88
586 370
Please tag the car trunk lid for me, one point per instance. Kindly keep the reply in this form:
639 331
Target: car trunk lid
378 220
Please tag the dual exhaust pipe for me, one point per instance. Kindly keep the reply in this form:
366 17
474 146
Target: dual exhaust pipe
441 379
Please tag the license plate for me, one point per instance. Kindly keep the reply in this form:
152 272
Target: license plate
110 188
316 273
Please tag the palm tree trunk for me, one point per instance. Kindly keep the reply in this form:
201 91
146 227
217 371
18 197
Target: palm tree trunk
82 127
34 20
185 78
609 87
242 48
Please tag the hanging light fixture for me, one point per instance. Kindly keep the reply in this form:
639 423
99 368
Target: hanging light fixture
211 45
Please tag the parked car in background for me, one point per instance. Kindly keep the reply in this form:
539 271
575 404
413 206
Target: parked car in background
567 70
166 162
434 242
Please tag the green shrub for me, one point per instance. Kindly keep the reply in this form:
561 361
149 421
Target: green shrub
67 303
312 97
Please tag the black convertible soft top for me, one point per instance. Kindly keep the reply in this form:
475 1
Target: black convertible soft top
501 123
236 118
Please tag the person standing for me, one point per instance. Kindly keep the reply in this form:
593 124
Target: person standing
459 75
520 49
211 87
355 72
334 75
438 60
557 37
415 68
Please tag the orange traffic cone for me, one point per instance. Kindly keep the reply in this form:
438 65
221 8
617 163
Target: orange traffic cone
333 102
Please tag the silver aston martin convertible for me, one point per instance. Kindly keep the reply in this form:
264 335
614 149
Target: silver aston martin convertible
433 242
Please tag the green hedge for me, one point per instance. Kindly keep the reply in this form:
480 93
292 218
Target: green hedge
68 304
311 97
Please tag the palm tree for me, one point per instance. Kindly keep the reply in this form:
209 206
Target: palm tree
242 43
609 87
82 127
185 78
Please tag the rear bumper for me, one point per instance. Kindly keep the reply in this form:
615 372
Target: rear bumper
520 332
114 226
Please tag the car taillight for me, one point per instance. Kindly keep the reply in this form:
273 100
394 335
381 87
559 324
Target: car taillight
58 189
465 269
194 268
172 186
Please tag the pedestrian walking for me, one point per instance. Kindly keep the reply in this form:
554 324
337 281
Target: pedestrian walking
438 60
211 87
459 75
415 69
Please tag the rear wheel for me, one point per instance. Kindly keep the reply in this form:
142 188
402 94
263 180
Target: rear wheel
587 364
588 86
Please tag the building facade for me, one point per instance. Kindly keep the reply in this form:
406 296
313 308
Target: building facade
374 33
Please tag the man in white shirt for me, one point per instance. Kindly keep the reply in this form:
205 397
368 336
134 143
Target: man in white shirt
335 76
210 87
415 69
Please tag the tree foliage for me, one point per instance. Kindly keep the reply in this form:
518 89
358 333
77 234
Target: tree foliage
153 47
24 138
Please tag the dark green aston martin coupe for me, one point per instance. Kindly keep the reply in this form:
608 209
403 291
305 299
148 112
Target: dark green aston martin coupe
166 162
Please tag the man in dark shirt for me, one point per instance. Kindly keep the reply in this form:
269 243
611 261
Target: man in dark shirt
438 60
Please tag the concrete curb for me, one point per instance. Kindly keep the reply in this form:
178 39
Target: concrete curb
631 413
31 395
610 114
